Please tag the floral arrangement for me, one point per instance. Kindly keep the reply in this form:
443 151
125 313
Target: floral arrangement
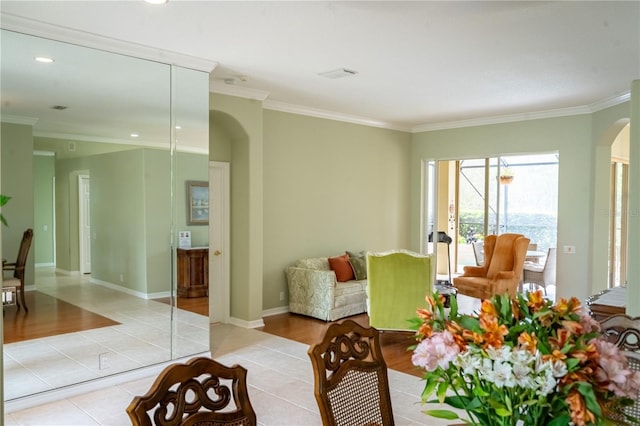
521 361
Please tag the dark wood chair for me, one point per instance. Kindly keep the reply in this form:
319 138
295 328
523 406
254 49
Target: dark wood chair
624 331
200 392
351 383
18 268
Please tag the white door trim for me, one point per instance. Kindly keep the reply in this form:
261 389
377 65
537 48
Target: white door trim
84 225
219 244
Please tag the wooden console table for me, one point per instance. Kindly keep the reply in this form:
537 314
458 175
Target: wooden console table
193 272
609 302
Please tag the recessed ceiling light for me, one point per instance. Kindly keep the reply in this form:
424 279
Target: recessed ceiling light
134 135
156 1
338 73
178 127
44 59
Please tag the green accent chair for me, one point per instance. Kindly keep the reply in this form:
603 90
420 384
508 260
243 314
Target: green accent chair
398 282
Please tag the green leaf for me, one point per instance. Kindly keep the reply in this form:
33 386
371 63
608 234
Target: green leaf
4 199
432 382
453 303
442 390
459 402
442 414
586 390
562 420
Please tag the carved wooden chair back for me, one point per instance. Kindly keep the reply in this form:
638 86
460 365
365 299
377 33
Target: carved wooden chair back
624 332
351 383
18 268
201 392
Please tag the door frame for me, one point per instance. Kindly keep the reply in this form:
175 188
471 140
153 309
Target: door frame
219 242
84 240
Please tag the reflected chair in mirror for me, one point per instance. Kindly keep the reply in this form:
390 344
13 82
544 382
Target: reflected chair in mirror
397 283
350 376
624 332
541 275
200 392
478 252
502 269
18 268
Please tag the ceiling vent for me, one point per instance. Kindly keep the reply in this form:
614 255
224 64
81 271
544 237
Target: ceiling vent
338 73
59 107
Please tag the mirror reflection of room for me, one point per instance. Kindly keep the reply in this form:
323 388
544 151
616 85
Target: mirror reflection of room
89 164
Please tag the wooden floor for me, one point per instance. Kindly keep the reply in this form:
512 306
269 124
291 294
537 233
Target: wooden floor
47 316
309 330
197 305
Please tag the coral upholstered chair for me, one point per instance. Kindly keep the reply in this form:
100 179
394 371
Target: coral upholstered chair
503 261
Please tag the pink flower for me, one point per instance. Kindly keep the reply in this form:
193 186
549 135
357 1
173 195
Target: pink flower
436 351
589 325
614 368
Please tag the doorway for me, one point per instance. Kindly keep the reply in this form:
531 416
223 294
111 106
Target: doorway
84 223
219 243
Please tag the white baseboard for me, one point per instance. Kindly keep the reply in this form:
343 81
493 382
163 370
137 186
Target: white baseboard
44 265
92 385
135 293
65 272
275 311
246 324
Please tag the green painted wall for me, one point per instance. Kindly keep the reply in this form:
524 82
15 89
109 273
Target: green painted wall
330 186
44 169
190 167
16 142
238 131
575 139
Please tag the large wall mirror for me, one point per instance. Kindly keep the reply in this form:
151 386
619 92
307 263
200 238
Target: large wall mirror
97 148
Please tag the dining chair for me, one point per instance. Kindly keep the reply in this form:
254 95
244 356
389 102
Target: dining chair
541 275
478 252
350 376
201 391
624 331
18 269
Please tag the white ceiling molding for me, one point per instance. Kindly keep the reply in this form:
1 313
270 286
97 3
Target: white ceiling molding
82 38
223 88
562 112
44 153
15 119
609 102
319 113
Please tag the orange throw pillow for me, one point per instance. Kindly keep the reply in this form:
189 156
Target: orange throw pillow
341 266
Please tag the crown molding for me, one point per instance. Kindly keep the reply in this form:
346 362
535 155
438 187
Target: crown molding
137 143
17 119
223 88
82 38
553 113
609 102
330 115
499 119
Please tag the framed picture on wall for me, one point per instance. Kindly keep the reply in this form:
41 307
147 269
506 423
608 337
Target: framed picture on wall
198 202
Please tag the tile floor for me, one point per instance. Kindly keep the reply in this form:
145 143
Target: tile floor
280 381
280 376
143 337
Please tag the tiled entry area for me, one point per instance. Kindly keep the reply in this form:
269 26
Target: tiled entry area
280 381
142 337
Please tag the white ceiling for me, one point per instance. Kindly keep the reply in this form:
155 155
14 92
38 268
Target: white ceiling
420 64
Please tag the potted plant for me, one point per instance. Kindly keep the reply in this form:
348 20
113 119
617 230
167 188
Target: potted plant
506 176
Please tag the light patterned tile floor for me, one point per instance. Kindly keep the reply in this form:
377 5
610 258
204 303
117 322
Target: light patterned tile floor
280 380
142 338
